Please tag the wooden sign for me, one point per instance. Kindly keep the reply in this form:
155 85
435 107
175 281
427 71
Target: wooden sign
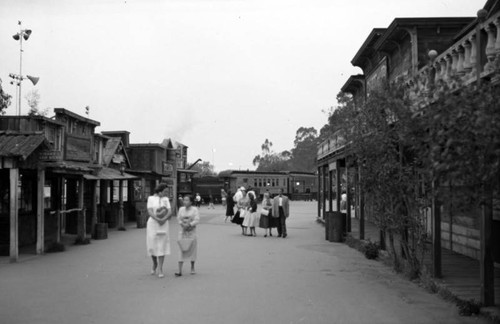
50 156
168 169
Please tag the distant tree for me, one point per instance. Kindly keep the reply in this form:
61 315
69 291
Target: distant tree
5 100
303 155
269 160
33 99
337 116
204 169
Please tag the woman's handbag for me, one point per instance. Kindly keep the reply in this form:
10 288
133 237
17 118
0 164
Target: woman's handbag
185 244
264 212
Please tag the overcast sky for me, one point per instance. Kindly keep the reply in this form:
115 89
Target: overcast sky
219 75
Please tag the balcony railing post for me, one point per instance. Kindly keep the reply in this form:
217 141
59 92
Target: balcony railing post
481 15
490 48
497 43
467 52
460 61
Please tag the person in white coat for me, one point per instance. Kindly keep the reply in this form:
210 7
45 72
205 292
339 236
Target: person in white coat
157 229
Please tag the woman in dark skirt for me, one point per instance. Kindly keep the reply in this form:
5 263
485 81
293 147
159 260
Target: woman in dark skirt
229 206
267 222
241 201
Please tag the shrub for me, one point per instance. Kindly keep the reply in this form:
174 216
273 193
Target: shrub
370 250
468 307
82 241
55 247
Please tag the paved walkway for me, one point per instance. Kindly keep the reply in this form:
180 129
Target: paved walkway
301 279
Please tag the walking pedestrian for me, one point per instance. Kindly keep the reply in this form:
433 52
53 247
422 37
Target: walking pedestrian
267 220
188 243
343 202
157 229
229 206
211 202
281 207
180 202
223 197
251 216
241 200
198 200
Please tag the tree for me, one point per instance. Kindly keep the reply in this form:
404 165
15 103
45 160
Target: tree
336 115
269 160
5 100
405 142
33 99
382 134
204 169
306 147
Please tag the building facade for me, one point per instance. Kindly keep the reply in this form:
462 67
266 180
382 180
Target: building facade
423 53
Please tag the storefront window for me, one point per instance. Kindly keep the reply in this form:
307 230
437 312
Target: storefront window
98 192
47 195
116 190
26 195
125 190
4 197
138 190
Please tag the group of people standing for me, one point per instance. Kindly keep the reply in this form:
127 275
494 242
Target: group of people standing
273 213
157 230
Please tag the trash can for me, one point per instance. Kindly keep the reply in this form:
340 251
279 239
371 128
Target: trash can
327 225
141 217
338 224
101 231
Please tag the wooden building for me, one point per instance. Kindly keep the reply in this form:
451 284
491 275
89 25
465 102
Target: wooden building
50 173
153 163
401 52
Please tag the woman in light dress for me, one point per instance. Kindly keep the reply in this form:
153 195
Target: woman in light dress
157 235
251 216
188 217
242 202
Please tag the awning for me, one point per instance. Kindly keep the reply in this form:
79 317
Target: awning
17 144
109 174
187 171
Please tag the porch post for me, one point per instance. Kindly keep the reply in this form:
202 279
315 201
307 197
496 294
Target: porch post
361 207
103 200
338 185
325 189
330 193
436 233
121 223
40 213
14 213
319 192
81 214
60 206
348 193
486 263
94 207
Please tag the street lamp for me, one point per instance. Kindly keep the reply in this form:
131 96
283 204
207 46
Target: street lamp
18 78
213 157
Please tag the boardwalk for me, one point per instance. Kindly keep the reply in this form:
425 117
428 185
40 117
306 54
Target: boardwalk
301 279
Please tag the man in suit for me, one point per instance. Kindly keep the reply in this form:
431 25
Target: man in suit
281 207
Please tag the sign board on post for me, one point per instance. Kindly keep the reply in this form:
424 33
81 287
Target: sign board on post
50 156
168 169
